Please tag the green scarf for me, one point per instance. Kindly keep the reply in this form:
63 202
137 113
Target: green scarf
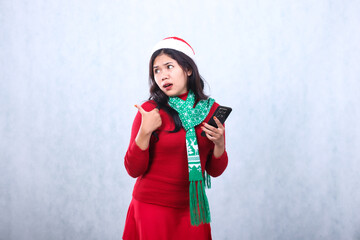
190 117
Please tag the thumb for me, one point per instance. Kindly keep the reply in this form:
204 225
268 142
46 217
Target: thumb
141 110
156 109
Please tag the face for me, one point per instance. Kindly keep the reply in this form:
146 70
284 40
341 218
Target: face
169 76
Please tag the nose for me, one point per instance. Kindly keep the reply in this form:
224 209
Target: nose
164 75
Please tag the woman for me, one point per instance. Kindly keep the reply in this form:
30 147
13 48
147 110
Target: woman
167 153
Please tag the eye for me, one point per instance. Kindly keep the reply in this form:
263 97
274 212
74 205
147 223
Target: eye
170 66
156 71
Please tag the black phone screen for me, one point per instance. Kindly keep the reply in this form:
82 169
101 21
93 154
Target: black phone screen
220 113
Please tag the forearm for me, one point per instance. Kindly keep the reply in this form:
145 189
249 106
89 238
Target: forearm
143 139
215 166
219 150
136 158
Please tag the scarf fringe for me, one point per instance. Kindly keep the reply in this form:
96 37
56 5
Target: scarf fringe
199 205
207 180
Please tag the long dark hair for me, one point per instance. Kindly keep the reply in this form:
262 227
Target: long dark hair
195 83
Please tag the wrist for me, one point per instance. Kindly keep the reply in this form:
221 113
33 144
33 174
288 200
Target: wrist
144 132
218 151
220 144
142 139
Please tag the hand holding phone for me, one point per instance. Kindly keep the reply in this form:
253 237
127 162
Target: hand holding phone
220 113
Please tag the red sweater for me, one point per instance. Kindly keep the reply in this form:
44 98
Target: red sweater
162 169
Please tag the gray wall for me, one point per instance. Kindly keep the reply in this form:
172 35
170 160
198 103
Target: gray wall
71 71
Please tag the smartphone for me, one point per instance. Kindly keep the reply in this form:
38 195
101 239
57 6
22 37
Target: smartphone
220 113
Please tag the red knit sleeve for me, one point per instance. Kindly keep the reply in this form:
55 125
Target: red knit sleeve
216 166
137 160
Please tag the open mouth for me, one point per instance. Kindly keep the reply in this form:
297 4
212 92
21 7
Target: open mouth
167 86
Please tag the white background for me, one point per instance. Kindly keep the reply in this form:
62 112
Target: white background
71 72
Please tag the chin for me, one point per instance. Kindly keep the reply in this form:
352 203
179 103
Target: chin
170 94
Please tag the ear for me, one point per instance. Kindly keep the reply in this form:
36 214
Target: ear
189 72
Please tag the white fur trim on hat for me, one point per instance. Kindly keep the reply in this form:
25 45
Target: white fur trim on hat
177 44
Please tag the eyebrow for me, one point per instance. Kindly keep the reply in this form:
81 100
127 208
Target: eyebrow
163 64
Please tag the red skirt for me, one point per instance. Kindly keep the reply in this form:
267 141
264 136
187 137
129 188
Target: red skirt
146 221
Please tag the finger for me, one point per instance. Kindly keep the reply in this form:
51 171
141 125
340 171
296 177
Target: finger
218 123
210 131
141 110
208 126
209 136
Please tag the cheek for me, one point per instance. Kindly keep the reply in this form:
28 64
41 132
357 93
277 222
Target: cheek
156 81
184 79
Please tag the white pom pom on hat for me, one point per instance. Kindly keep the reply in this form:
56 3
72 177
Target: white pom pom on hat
175 43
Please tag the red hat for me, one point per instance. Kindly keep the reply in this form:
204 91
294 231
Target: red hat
176 44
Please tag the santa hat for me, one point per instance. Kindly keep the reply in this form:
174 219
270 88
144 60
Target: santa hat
176 44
